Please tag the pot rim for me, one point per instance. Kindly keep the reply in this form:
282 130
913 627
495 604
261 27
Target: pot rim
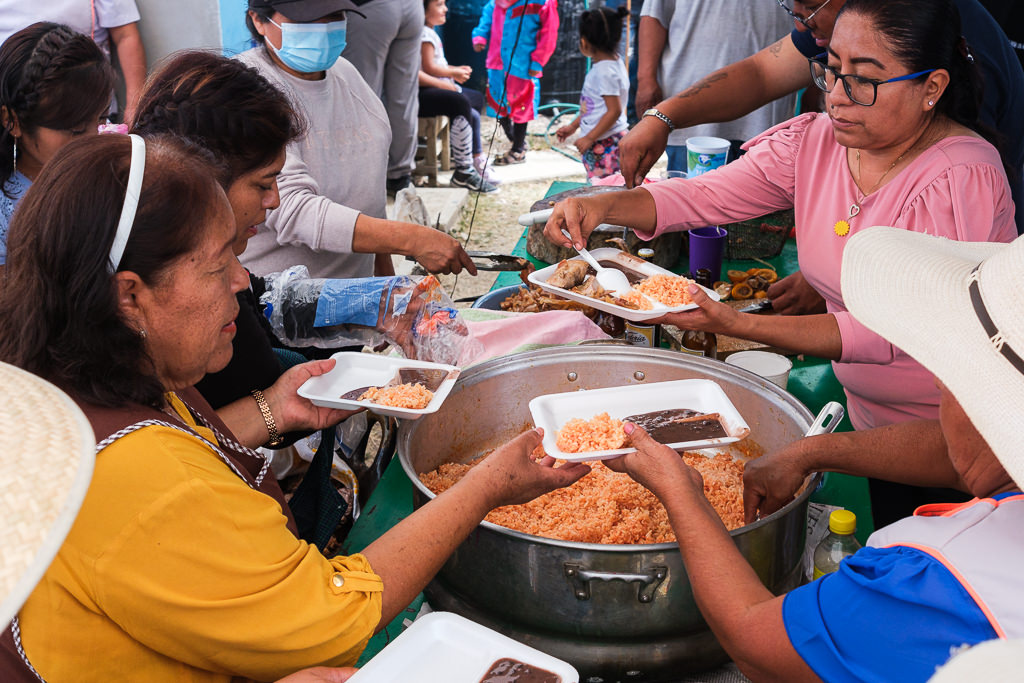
811 482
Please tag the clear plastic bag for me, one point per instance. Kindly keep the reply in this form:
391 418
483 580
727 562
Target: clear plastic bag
412 313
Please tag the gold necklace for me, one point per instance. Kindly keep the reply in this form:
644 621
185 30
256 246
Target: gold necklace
842 227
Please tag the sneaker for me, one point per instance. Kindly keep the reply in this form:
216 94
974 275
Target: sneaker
471 179
485 170
399 183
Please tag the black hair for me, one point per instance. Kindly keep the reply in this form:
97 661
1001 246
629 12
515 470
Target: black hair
59 311
264 16
222 104
50 76
927 35
602 28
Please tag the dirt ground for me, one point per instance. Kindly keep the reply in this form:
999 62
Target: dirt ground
490 221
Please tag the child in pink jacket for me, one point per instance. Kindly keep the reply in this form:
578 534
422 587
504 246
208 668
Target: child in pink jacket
522 36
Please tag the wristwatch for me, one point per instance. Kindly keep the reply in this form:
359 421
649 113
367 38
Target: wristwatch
661 117
268 418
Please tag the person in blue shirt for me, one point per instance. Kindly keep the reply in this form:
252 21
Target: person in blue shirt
54 86
928 585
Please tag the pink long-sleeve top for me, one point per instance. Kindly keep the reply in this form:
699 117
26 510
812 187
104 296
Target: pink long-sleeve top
956 188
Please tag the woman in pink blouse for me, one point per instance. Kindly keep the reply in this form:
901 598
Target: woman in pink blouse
899 145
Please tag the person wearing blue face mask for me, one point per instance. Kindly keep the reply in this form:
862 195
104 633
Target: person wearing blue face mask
332 212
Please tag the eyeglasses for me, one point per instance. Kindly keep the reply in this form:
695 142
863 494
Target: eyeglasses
860 90
805 21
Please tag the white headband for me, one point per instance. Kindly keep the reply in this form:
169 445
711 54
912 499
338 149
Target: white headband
131 201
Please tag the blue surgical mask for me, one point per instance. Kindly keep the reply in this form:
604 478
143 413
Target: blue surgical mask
309 48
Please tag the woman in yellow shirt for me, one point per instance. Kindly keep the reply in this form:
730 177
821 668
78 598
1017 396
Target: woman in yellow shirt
183 563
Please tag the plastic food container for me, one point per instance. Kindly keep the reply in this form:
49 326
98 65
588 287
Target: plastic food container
355 370
773 367
443 647
628 262
552 411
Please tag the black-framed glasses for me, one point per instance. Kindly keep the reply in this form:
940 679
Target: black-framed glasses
860 90
806 21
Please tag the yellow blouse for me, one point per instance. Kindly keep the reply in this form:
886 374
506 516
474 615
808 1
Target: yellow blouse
176 570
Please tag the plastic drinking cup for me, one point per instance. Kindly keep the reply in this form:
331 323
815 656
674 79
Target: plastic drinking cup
707 247
772 366
704 153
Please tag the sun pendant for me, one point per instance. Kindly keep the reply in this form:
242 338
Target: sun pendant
842 228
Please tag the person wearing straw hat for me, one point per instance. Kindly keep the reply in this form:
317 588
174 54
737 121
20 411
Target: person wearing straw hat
928 585
184 562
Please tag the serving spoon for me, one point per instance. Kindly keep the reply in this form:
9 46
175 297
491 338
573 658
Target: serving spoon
610 279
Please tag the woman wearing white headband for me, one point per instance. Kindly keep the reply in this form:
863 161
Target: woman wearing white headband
925 586
183 562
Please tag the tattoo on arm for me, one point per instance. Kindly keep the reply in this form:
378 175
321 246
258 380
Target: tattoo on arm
775 48
703 84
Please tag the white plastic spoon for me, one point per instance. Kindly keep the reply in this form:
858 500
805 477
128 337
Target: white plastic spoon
610 279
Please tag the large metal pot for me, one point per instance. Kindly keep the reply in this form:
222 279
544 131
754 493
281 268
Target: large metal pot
617 612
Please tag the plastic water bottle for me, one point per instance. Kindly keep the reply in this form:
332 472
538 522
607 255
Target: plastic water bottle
839 543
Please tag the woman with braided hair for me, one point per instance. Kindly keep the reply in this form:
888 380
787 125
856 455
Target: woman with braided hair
54 85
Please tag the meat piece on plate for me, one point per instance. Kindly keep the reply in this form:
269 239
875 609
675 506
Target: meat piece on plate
568 274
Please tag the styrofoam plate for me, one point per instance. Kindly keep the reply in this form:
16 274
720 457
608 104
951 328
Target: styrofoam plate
354 370
553 410
442 647
634 263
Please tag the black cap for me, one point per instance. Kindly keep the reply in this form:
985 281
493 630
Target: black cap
303 10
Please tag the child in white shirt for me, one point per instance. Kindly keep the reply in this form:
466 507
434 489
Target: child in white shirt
602 117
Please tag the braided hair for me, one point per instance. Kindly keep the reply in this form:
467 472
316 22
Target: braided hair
221 104
602 28
52 77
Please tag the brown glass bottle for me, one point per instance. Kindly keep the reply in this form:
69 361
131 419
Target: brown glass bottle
637 333
698 342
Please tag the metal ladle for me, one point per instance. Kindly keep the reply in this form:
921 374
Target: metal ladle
610 279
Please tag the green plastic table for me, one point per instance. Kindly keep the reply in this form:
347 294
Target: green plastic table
811 381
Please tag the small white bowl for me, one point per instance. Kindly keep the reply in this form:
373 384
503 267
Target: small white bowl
773 367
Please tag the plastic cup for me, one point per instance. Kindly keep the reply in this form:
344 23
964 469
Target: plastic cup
669 175
707 247
704 153
772 366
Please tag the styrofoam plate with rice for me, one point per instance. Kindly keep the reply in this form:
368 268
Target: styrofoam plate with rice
354 371
631 265
553 411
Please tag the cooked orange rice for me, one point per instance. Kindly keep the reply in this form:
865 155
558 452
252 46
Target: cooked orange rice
606 506
668 289
414 396
602 433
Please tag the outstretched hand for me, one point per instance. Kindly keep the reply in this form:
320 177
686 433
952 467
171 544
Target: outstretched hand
293 412
711 316
438 252
794 295
655 466
641 148
771 481
511 476
579 216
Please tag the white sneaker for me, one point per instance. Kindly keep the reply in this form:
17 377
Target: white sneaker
485 170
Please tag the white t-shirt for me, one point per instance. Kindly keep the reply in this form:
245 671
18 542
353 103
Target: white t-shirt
91 17
607 77
430 36
705 35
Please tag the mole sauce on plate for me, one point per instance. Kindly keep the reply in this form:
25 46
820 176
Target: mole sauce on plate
631 275
508 670
679 425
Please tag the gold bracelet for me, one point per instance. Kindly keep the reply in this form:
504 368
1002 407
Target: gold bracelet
268 418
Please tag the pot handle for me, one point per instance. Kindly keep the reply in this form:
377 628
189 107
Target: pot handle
649 580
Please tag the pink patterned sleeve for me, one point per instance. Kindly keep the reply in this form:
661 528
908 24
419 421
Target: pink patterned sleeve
547 36
968 202
759 182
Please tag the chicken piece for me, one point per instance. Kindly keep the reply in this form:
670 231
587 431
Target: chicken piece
568 274
590 288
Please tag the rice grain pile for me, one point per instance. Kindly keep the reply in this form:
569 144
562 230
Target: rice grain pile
606 506
602 433
636 300
668 289
414 396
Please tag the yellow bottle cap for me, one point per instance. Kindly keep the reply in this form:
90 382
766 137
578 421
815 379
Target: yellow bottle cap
842 522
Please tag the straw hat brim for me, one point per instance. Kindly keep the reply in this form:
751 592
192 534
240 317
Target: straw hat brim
912 289
46 464
993 661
